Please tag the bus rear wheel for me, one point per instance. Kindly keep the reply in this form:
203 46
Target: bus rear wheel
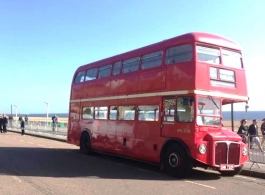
85 145
177 162
232 173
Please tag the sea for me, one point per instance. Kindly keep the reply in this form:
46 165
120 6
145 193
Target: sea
249 115
238 115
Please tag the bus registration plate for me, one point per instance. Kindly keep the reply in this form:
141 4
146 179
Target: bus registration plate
227 167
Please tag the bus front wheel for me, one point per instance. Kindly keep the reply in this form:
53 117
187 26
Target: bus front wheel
177 162
85 145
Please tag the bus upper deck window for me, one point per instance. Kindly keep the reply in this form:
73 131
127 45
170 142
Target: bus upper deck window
80 77
231 59
130 65
180 53
91 74
104 71
209 55
151 60
116 68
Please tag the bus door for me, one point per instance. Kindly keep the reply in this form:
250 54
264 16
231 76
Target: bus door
73 123
178 115
168 116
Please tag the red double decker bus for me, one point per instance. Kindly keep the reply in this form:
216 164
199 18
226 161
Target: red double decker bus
163 104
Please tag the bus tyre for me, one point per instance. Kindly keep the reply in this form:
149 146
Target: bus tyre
232 173
85 146
177 162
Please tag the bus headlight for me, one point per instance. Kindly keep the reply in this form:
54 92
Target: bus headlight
244 151
202 149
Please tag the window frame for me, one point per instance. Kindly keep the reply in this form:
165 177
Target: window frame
87 78
169 58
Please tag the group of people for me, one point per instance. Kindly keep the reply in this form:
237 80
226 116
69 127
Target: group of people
252 132
3 123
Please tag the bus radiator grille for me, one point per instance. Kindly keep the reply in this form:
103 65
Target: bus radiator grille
227 153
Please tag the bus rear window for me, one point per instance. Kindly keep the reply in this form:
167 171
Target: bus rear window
209 55
231 59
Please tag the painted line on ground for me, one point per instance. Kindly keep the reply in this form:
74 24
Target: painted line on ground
244 177
214 188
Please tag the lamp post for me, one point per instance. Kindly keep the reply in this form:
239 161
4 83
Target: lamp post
47 109
16 111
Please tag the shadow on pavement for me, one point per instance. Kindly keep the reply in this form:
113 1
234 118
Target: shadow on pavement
42 162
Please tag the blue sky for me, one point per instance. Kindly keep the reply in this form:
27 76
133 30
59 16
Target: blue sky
42 42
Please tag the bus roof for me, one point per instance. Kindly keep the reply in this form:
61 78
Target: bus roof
201 37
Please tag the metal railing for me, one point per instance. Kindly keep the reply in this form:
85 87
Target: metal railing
41 127
256 152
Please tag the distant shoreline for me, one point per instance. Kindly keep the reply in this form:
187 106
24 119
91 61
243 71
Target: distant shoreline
62 115
238 115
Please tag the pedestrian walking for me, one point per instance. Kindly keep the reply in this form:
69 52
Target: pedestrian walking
262 128
22 126
254 137
26 120
4 123
54 122
11 121
1 123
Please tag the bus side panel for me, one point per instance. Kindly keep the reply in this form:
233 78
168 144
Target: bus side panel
126 83
102 87
77 91
74 131
126 136
99 138
147 134
111 136
152 81
181 76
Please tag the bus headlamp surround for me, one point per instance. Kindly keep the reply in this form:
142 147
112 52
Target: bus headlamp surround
202 148
244 151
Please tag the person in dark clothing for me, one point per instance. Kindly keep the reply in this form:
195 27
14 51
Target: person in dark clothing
54 122
26 119
243 130
22 125
262 128
1 123
253 133
4 123
11 120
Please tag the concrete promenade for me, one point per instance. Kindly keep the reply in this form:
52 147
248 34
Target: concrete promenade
60 134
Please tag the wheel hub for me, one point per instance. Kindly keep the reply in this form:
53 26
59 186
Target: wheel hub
173 160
